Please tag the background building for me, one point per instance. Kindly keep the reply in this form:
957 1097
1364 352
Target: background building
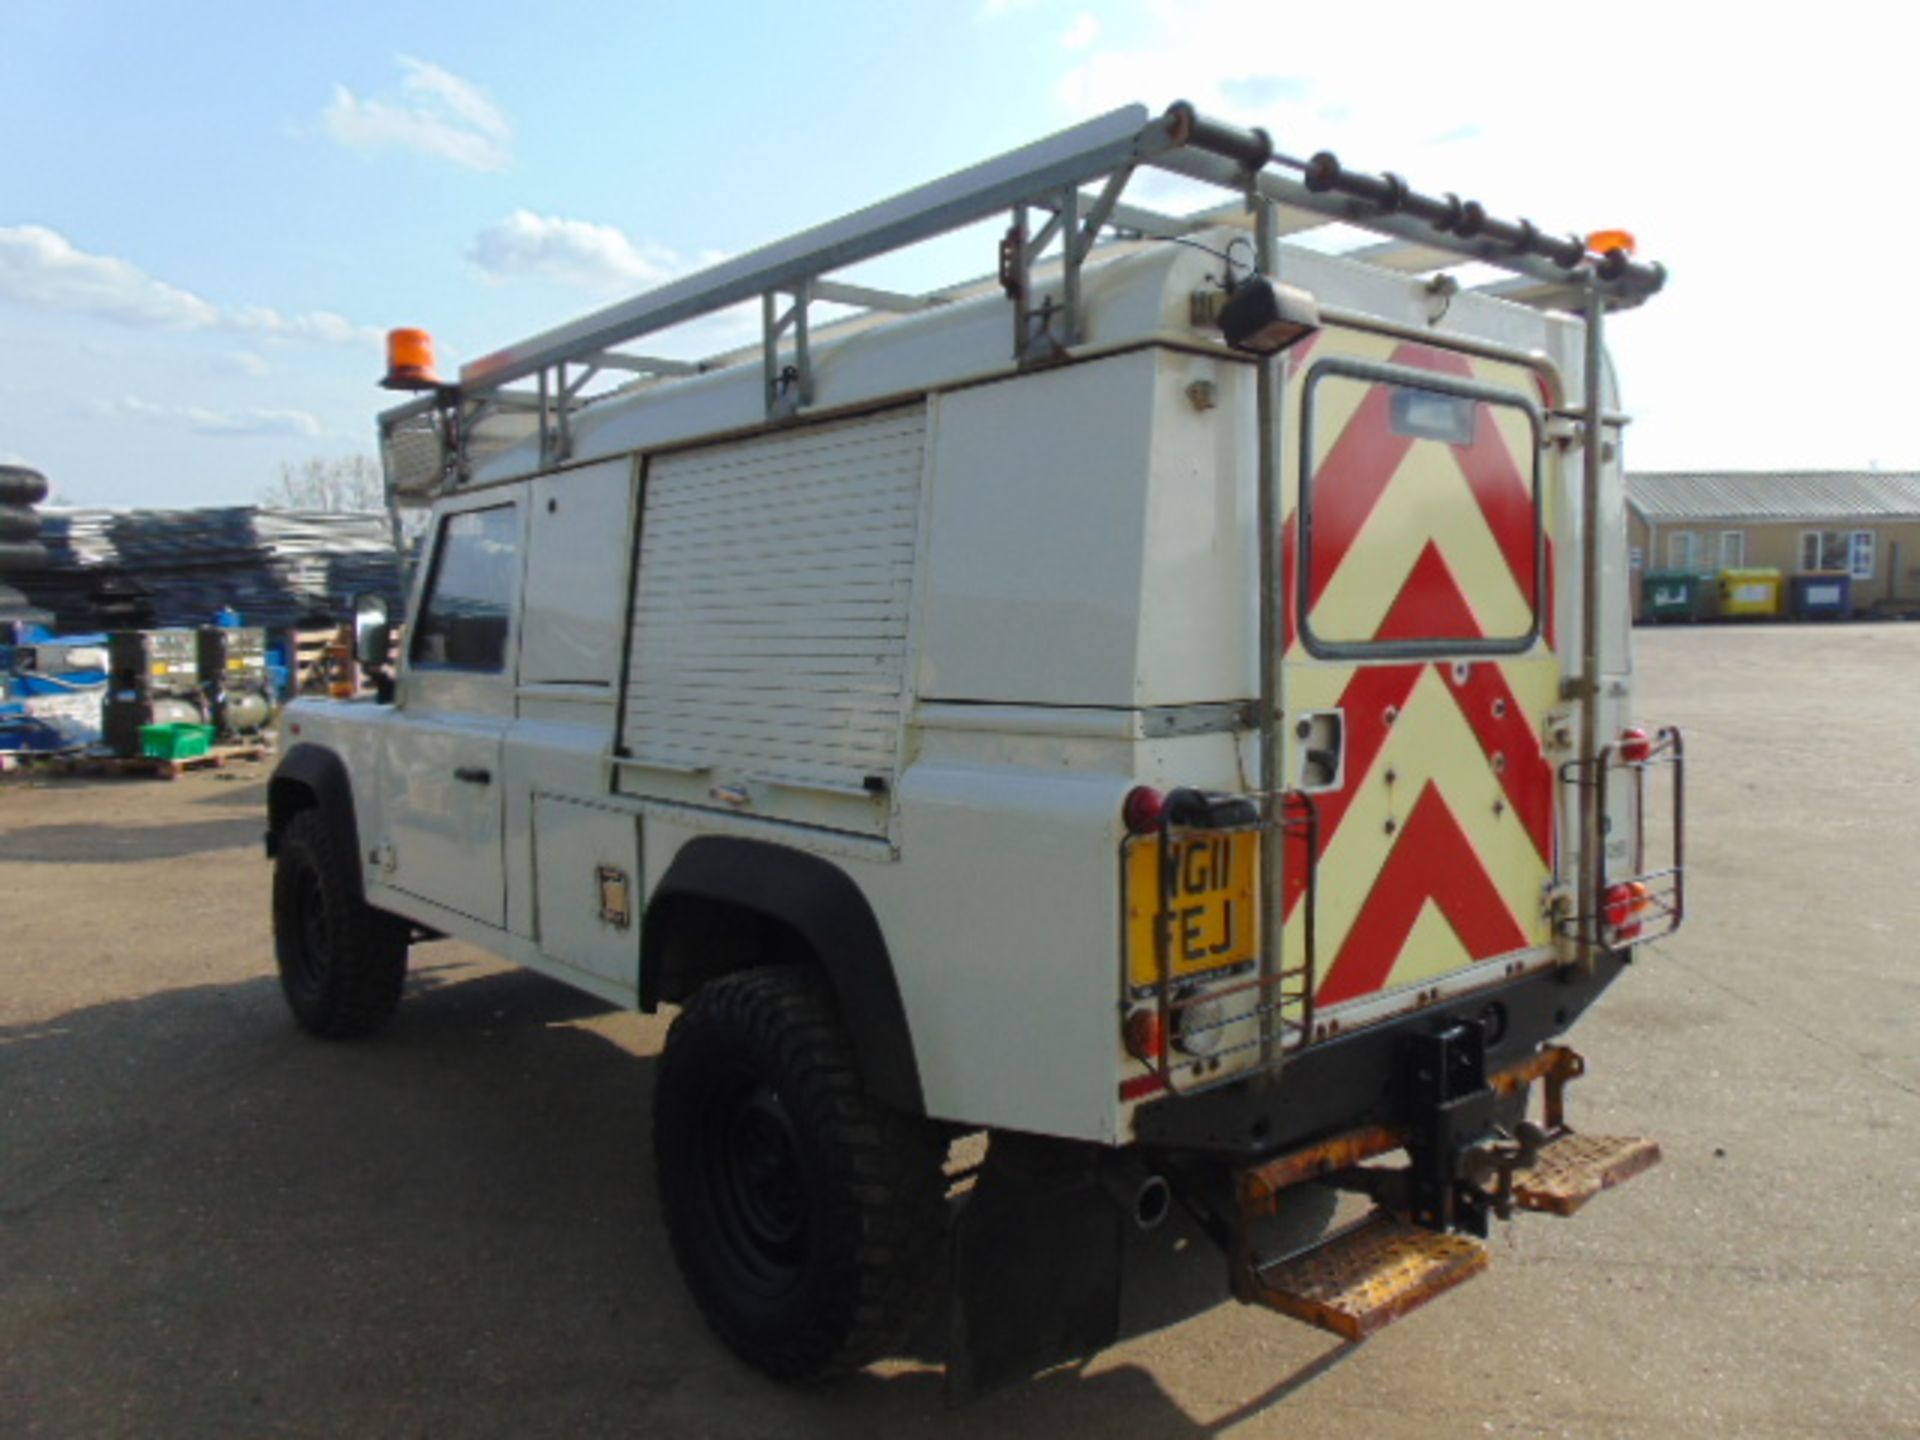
1863 524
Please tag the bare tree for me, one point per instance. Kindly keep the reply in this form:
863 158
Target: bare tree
346 482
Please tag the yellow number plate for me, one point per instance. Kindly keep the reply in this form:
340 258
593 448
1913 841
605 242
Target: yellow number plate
1215 920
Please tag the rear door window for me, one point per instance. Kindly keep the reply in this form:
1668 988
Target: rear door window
1420 514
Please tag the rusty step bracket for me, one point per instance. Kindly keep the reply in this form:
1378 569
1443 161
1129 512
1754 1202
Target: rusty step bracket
1365 1277
1260 1186
1573 1168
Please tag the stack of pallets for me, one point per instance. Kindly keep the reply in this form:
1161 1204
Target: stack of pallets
150 568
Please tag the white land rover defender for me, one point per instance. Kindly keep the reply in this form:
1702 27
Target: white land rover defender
1164 706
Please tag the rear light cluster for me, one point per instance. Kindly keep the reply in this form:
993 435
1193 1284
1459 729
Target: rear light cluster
1146 1037
1627 905
1197 1026
1141 811
1146 810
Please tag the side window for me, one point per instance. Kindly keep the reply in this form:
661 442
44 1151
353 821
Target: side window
468 610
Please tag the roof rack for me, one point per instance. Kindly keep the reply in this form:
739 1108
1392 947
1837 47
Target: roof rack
1041 185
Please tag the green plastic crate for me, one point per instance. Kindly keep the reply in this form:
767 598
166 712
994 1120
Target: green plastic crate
175 742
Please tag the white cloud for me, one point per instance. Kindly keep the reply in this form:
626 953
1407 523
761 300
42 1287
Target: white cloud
436 113
1081 35
201 421
575 252
321 326
244 363
40 267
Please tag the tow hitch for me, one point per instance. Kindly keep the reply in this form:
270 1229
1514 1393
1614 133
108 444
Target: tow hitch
1426 1234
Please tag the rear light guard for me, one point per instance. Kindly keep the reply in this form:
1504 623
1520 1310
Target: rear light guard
1643 898
1197 1009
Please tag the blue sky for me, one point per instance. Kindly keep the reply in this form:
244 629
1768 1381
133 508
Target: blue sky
208 212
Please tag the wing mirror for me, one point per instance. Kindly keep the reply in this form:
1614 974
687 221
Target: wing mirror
373 642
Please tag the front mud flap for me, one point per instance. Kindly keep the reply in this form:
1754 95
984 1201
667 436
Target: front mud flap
1037 1260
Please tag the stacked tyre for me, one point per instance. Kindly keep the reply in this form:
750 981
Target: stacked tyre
21 490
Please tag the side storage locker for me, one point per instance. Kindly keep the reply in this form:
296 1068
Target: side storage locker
768 653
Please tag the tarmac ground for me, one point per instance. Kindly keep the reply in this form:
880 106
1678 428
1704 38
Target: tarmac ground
211 1225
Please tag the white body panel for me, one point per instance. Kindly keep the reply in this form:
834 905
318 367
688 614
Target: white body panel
444 834
579 533
581 854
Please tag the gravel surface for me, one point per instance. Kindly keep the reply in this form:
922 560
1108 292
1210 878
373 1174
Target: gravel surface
211 1225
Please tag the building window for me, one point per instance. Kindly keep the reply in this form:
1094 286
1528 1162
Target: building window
1838 551
1683 550
1860 555
1733 549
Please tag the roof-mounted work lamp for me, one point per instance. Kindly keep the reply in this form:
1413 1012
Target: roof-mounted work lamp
1264 318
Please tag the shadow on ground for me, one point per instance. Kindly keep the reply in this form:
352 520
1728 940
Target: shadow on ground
212 1224
113 845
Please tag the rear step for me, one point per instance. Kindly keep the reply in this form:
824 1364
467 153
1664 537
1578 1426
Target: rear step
1365 1277
1571 1169
1362 1278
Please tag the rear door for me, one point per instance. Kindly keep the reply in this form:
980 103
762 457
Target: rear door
1420 670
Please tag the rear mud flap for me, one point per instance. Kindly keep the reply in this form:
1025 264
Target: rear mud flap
1037 1260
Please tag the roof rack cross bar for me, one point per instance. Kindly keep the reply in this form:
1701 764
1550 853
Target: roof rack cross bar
868 298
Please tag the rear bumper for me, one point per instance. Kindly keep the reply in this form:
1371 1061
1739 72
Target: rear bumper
1355 1081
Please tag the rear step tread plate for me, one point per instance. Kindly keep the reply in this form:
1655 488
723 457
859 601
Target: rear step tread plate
1365 1277
1571 1170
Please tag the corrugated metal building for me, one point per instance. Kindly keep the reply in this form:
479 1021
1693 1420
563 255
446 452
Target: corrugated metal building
1863 523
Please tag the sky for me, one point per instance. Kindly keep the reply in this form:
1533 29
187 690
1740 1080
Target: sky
209 213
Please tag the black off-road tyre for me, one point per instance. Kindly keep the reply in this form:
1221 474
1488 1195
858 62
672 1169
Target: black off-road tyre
22 557
21 486
342 962
17 522
806 1217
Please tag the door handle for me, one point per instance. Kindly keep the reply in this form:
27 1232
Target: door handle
1321 750
474 775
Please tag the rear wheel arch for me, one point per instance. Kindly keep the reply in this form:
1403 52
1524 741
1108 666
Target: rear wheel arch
727 904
